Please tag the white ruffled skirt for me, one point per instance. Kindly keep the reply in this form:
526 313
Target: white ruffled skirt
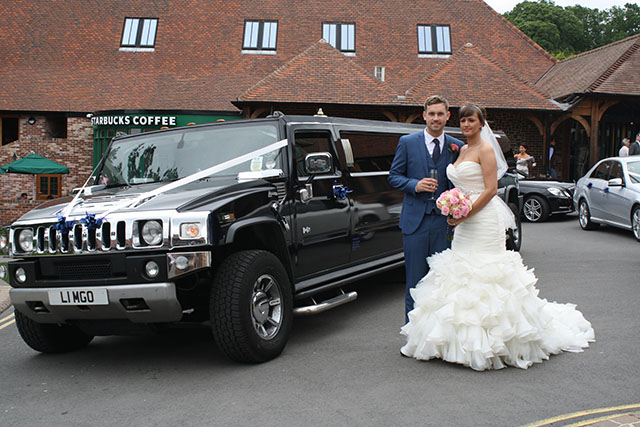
478 306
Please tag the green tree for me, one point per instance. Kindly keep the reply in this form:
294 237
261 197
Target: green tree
553 27
574 29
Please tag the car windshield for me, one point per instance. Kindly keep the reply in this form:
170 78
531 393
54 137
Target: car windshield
171 155
634 171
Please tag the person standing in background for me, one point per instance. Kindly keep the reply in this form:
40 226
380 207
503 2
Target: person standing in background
552 150
624 150
634 149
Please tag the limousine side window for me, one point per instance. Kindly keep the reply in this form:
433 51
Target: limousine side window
616 171
372 152
311 142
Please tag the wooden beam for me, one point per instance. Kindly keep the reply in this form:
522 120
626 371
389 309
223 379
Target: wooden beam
593 141
585 124
389 115
412 117
536 121
606 106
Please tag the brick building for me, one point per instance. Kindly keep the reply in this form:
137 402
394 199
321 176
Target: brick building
76 73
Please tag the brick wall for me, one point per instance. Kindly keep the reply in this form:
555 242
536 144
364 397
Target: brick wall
75 152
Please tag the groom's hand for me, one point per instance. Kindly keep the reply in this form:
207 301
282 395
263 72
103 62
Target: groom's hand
427 185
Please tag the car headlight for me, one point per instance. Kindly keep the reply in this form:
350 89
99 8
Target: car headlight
152 233
25 240
3 242
555 191
189 230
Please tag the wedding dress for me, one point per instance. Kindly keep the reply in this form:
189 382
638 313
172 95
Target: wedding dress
478 305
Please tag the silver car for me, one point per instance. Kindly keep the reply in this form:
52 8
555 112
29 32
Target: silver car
610 194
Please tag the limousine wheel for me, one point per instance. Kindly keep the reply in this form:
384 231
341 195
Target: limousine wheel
635 222
251 306
50 338
584 216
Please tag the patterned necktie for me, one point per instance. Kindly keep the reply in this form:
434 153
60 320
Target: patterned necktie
436 151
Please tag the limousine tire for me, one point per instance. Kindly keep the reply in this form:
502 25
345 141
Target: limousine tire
251 306
584 216
50 338
514 236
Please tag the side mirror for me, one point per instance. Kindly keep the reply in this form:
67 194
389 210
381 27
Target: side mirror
318 163
615 182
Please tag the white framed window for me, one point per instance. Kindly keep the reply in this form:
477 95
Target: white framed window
378 72
139 32
434 39
342 36
260 35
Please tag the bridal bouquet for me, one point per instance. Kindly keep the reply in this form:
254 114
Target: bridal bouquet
454 203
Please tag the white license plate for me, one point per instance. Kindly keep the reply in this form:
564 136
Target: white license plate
79 296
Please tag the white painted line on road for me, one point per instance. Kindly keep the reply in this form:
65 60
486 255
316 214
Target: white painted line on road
4 319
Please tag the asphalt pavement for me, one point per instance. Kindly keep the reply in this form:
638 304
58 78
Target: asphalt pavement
343 367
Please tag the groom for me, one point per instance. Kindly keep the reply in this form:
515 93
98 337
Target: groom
424 229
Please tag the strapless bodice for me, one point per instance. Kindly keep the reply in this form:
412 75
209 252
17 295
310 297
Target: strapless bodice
467 176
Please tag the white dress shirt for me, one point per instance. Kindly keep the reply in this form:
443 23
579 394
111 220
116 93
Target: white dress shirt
428 139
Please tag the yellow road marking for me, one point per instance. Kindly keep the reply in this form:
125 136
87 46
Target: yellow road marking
4 319
7 324
582 414
597 420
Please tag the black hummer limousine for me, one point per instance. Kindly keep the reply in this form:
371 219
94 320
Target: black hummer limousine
236 226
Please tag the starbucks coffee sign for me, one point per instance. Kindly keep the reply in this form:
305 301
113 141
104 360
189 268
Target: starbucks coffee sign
133 121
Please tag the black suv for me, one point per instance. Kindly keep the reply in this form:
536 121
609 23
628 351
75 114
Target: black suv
236 225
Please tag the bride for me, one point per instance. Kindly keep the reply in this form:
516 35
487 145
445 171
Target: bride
478 305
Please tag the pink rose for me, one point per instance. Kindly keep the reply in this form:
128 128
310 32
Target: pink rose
457 213
445 210
464 210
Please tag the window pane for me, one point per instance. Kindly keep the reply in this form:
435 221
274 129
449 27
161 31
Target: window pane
329 33
54 185
130 32
148 32
347 42
269 35
422 43
447 39
439 39
251 35
44 185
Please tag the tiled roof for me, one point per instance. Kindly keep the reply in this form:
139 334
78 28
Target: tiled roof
471 76
65 56
611 69
321 74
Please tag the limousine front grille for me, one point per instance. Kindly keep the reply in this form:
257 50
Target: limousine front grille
82 238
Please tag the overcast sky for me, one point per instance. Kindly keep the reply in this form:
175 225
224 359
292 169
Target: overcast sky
502 6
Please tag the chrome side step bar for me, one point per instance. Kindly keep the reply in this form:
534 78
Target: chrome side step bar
316 308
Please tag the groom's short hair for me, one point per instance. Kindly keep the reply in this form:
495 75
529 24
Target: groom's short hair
436 99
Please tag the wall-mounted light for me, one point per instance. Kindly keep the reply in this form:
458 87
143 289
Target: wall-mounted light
31 120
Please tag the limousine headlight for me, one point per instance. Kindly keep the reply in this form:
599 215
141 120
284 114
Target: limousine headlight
25 240
189 230
152 232
3 242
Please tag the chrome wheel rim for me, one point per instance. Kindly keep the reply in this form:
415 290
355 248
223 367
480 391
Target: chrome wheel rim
266 307
532 210
635 223
584 214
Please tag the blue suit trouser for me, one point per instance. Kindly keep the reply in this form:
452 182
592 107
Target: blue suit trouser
428 239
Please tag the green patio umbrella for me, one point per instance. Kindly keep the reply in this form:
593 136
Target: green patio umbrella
34 164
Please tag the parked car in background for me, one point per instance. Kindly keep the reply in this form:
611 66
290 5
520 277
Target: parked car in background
543 198
610 194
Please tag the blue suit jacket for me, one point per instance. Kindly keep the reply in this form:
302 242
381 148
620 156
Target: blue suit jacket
412 163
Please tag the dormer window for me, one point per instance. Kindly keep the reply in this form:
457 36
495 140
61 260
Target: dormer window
260 36
139 33
342 36
434 39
